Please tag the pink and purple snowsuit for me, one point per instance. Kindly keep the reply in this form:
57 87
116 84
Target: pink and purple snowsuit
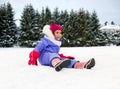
48 51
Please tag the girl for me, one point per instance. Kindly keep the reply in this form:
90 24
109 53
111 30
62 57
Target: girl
47 51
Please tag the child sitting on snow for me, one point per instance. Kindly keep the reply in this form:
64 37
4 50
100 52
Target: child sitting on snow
47 51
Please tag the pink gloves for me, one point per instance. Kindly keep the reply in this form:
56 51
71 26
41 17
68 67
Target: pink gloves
69 57
33 58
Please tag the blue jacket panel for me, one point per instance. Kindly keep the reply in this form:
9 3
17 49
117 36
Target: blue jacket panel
48 50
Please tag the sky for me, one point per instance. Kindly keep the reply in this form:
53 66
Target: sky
107 10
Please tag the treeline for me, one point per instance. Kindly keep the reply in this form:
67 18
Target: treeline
8 28
80 28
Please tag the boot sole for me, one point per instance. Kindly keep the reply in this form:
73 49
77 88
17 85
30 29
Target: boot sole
63 64
90 64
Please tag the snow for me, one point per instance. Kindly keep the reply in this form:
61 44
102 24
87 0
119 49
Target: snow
110 28
16 74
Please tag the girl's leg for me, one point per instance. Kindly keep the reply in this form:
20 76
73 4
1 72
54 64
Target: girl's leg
88 65
55 61
59 64
79 65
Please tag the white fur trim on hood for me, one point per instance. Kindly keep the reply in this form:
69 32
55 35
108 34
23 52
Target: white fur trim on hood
49 35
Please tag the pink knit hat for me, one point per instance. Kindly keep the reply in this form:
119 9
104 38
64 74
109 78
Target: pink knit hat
54 27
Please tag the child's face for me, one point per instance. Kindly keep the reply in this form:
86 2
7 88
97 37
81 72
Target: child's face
58 34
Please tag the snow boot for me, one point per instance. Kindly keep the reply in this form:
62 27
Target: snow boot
90 64
62 64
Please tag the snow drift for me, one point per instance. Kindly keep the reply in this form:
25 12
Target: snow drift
16 74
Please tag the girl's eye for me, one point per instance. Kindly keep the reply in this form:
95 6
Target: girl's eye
58 32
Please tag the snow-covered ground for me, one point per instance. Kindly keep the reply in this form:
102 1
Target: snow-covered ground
16 74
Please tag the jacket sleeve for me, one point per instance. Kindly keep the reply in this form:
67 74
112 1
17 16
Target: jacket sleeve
41 46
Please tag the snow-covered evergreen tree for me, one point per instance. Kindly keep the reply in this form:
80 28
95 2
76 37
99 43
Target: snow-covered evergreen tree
47 16
79 28
112 32
56 16
64 17
96 36
37 34
86 35
28 27
2 24
8 27
42 18
73 29
82 27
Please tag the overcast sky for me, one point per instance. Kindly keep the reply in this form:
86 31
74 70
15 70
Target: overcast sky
107 10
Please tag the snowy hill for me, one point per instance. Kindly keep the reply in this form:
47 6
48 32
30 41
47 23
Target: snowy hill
16 74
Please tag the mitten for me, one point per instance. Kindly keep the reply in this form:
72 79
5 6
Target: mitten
33 58
63 56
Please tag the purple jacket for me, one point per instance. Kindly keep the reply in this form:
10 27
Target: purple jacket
48 50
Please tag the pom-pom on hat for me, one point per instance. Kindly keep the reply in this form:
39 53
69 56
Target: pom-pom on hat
54 27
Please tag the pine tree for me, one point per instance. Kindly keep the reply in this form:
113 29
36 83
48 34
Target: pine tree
87 30
8 26
96 35
112 23
56 16
42 19
37 34
12 26
47 16
2 24
64 17
72 29
27 36
105 23
80 28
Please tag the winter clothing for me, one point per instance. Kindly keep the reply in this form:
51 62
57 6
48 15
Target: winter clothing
62 64
90 64
49 47
33 57
48 51
49 35
69 57
54 27
79 65
55 61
